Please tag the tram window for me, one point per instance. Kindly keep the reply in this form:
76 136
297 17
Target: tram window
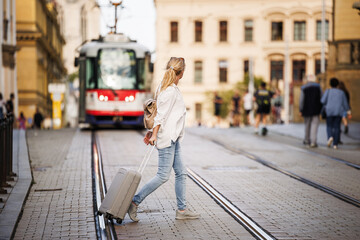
90 78
141 74
116 69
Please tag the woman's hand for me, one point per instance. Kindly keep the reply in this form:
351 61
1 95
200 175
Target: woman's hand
152 137
152 140
147 137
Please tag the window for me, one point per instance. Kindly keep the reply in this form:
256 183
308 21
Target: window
248 31
318 66
276 31
173 31
318 30
198 31
198 109
298 70
223 31
246 67
223 65
299 30
198 72
276 70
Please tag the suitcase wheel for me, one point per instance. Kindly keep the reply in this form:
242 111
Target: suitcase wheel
108 216
119 220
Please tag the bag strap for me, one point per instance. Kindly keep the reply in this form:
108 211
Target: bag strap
145 159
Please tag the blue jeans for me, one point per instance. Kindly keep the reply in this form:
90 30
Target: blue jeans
333 128
169 158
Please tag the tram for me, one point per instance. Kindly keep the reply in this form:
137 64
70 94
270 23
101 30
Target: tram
115 76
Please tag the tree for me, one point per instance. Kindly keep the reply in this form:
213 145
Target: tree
227 95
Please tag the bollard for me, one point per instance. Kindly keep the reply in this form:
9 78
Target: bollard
8 149
2 157
11 134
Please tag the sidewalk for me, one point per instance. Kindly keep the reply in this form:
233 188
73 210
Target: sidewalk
14 200
297 130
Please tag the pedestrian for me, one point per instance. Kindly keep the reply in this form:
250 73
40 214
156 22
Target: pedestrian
277 102
167 133
247 100
236 109
335 104
2 106
10 104
38 118
310 108
345 115
218 101
22 121
263 99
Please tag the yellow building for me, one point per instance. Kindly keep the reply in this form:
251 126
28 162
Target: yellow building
39 60
344 51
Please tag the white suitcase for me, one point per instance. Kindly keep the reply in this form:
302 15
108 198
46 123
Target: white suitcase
122 190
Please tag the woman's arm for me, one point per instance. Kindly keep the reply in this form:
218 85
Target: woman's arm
153 138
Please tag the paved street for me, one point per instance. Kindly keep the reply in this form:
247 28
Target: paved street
59 203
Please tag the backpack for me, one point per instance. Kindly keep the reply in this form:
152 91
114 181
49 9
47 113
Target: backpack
263 98
149 113
150 110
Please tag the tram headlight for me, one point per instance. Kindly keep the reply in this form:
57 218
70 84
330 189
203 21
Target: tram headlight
103 98
129 98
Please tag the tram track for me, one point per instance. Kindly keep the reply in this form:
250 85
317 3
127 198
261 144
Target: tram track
104 227
251 156
250 225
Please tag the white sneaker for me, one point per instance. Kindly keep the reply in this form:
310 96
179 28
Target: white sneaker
187 214
329 142
132 211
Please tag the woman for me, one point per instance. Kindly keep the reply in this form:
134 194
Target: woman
167 133
335 103
22 121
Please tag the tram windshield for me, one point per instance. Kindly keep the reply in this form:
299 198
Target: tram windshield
116 69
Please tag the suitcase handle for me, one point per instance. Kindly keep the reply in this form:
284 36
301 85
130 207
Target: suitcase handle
146 159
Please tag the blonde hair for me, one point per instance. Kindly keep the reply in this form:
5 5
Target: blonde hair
174 68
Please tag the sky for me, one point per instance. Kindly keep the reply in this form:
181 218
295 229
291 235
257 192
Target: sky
136 20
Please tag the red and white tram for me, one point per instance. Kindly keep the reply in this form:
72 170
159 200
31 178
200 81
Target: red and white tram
115 76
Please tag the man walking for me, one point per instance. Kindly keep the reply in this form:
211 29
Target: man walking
263 100
310 108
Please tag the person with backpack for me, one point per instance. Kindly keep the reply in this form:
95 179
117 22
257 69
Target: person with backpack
262 97
167 133
335 104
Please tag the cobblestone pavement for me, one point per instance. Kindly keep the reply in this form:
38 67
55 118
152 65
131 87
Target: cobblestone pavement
59 204
157 212
301 211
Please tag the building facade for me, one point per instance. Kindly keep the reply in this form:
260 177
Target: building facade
40 58
344 51
80 23
218 38
8 48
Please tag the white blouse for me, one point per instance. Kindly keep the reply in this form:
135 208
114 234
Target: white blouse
171 112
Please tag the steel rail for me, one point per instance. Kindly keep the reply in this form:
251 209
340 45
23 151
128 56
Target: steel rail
251 226
268 164
104 227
